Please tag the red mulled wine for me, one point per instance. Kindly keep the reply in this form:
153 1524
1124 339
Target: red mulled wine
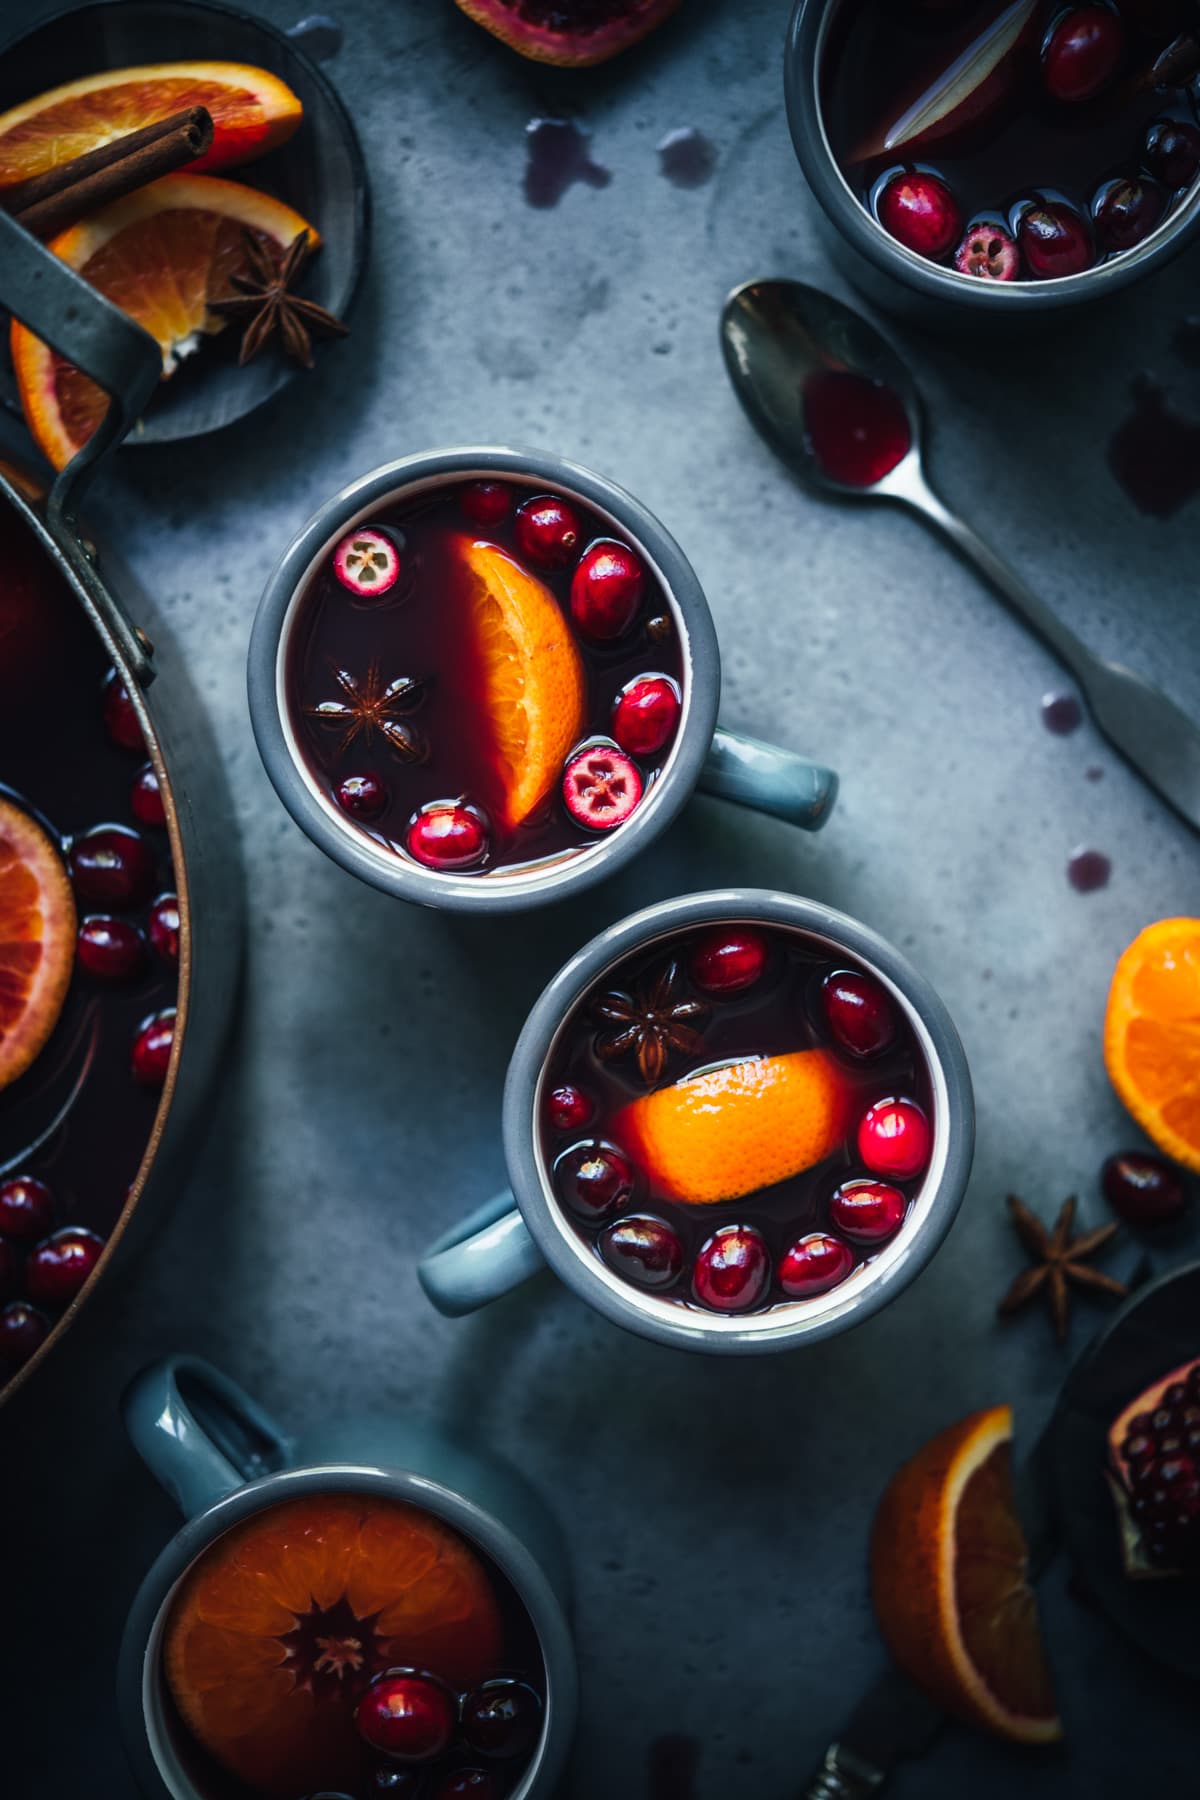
734 1119
485 676
1015 140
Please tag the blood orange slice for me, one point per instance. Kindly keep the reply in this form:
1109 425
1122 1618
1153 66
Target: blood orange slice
37 939
252 112
277 1630
949 1582
161 254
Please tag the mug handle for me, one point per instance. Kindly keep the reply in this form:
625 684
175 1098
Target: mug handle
200 1435
484 1256
770 780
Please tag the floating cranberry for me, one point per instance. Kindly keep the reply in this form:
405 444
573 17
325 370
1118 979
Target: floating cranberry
502 1719
593 1181
467 1784
1143 1188
367 563
448 835
152 1049
858 1011
146 798
26 1208
59 1266
1082 53
643 1250
398 1784
486 502
1125 212
813 1265
921 213
363 797
165 927
1054 241
569 1109
894 1139
645 714
406 1716
548 532
110 949
112 866
868 1212
1173 152
989 253
601 787
606 589
120 719
733 1270
729 959
23 1330
9 1269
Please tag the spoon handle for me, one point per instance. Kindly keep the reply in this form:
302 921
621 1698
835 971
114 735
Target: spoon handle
1149 730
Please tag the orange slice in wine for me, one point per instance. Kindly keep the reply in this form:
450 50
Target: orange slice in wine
252 112
37 939
161 254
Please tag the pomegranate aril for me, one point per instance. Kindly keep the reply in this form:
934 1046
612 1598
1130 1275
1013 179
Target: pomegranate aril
1082 54
606 590
58 1267
592 1181
367 563
486 502
989 253
868 1212
601 787
728 961
644 1250
165 927
501 1719
146 799
151 1055
894 1139
448 835
26 1208
110 949
1173 152
362 797
409 1717
548 532
1125 212
813 1265
920 212
645 714
112 866
732 1272
569 1109
1143 1188
1054 241
859 1012
120 719
23 1329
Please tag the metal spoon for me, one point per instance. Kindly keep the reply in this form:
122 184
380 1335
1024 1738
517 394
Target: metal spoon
775 334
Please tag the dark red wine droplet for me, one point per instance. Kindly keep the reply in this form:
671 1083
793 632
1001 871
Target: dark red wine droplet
1061 713
674 1761
558 158
687 158
1155 453
857 429
1088 870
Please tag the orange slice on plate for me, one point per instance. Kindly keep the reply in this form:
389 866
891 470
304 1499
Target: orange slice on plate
1152 1035
533 675
160 254
37 939
730 1131
279 1626
949 1582
252 112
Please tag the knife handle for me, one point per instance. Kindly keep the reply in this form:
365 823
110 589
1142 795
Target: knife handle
844 1775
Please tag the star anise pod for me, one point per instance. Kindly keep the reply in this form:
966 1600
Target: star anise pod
651 1023
1058 1263
265 302
369 706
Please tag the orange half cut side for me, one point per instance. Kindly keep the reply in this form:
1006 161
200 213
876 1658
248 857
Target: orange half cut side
37 939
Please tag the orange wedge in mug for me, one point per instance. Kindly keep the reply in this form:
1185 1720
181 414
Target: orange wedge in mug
731 1130
37 939
161 254
252 112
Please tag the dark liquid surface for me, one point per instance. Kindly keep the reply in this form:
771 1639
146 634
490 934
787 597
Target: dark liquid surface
857 429
425 628
779 1015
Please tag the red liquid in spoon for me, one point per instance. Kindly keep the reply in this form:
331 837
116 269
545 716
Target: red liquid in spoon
857 429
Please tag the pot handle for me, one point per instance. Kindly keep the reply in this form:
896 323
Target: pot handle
68 313
769 779
200 1435
484 1256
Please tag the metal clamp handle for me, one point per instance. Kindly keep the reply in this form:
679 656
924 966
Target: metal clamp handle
844 1775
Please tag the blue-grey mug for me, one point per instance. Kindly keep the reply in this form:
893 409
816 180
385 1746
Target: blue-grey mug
524 1229
223 1459
703 757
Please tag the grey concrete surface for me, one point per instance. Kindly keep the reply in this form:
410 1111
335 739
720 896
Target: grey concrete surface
718 1512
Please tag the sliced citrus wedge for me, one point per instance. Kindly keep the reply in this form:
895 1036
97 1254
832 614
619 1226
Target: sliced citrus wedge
1152 1035
252 112
37 939
161 254
533 675
949 1582
733 1130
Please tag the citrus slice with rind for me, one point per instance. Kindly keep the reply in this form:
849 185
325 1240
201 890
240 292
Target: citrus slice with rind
950 1582
252 112
37 939
1152 1035
161 254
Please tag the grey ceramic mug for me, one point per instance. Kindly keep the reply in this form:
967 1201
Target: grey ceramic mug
703 756
222 1458
518 1233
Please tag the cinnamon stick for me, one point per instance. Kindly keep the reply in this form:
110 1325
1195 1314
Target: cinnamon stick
47 203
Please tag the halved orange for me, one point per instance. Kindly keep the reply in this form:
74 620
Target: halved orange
533 675
252 112
950 1586
161 254
37 939
279 1626
1152 1035
730 1131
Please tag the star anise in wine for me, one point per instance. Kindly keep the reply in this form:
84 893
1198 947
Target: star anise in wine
1059 1262
266 304
370 706
652 1022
